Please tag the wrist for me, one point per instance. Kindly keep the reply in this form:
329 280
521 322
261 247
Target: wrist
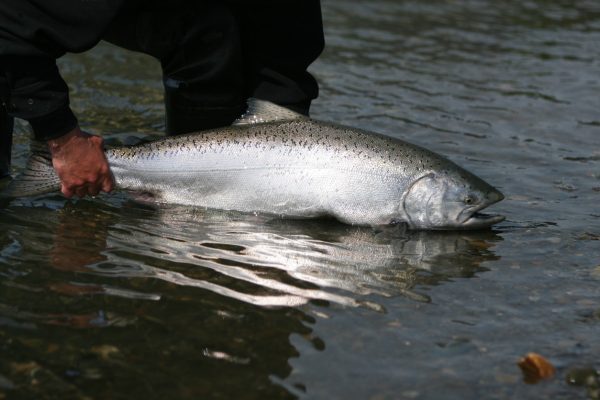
53 125
55 145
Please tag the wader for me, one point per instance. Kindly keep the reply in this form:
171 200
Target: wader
6 130
216 54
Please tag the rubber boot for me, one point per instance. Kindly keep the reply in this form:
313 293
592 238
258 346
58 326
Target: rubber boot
183 115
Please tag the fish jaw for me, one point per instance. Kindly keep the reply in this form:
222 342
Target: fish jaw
471 218
481 221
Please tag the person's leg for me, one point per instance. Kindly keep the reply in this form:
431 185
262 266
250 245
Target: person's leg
280 39
6 131
198 46
203 78
6 124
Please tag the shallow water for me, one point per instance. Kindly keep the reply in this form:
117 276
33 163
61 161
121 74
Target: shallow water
107 298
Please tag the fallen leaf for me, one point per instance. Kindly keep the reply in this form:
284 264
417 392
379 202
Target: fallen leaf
105 351
25 367
535 368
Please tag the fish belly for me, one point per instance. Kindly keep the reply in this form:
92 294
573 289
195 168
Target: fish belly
356 197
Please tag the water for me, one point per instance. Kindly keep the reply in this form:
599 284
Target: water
107 298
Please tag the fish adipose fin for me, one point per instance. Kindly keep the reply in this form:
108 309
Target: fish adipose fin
39 178
260 111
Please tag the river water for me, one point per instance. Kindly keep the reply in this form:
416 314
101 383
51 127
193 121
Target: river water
107 298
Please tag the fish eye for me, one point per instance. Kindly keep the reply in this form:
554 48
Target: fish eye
469 199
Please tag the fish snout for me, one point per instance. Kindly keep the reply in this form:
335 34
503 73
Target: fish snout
477 220
495 196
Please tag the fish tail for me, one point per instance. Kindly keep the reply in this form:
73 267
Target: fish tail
38 178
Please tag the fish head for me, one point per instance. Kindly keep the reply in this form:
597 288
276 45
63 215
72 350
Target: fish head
450 201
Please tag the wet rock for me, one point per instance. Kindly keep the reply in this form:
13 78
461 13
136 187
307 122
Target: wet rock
5 383
220 355
589 236
585 376
92 373
25 367
105 352
588 316
34 381
565 187
506 379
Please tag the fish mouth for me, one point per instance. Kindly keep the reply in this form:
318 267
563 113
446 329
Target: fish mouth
479 220
471 218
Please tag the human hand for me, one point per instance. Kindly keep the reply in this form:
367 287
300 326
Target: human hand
80 163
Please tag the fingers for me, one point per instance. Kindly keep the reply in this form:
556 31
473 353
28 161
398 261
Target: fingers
107 184
81 191
97 140
105 181
87 188
66 191
93 190
90 187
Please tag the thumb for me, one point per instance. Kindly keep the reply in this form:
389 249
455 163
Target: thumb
66 192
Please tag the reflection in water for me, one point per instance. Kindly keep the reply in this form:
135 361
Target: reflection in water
78 241
86 328
260 260
137 271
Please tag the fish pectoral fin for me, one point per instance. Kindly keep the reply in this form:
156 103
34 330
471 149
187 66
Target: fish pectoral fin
261 111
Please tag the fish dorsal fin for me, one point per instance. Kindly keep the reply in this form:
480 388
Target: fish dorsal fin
260 111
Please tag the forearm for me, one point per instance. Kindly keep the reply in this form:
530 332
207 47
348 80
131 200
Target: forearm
37 93
33 34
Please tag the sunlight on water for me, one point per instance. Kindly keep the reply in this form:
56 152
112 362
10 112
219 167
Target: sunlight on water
285 263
